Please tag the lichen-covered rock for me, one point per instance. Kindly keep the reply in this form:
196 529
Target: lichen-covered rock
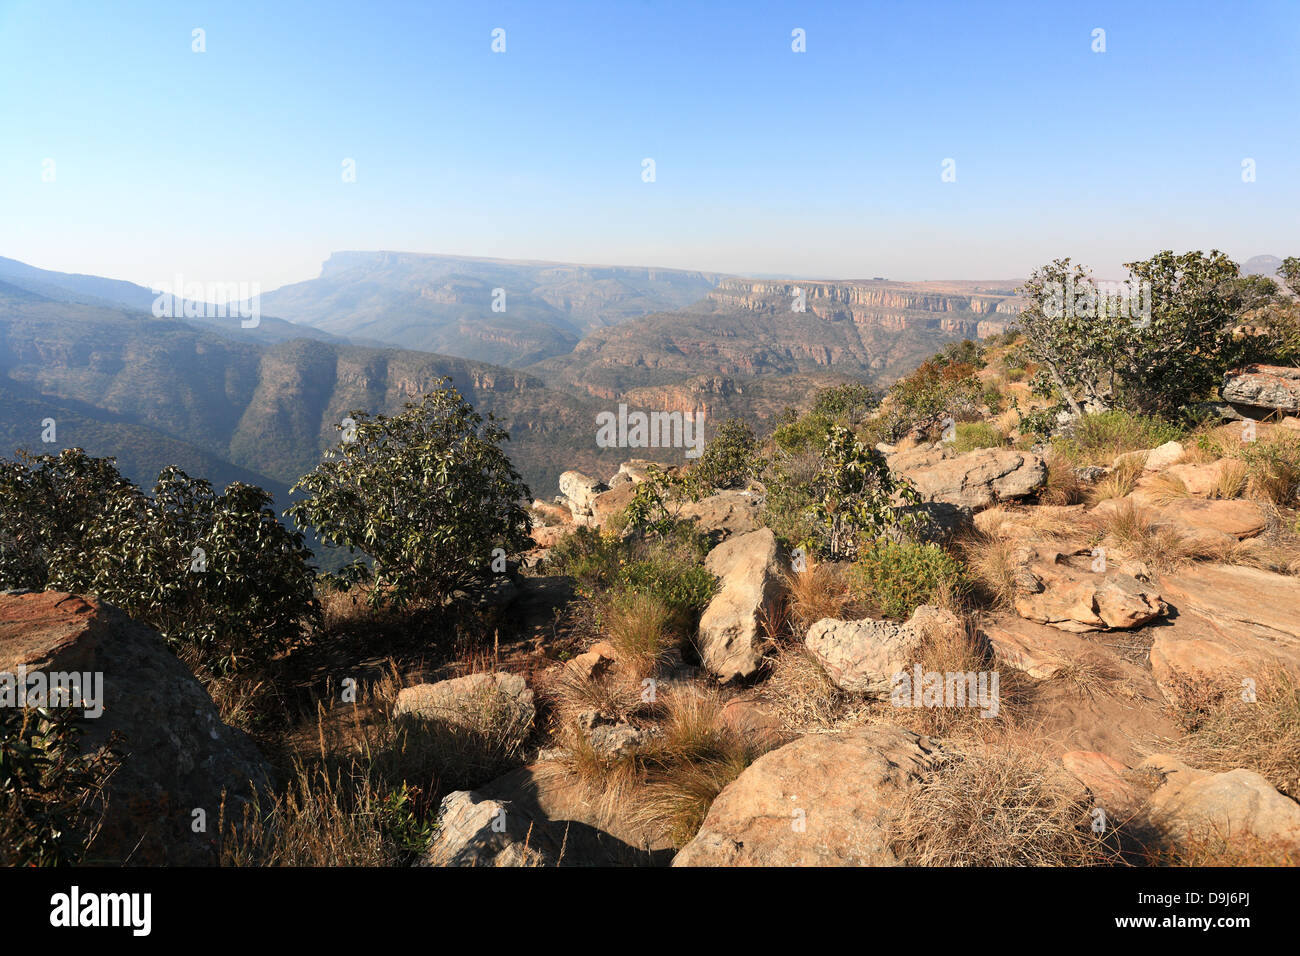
976 479
863 656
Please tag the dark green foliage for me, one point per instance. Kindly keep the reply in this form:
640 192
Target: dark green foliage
668 566
900 576
217 574
729 460
1096 357
830 502
426 495
48 789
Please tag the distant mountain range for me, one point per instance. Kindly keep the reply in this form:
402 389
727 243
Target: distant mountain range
493 310
259 404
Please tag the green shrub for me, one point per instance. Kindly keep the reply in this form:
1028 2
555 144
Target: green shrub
1099 438
729 460
592 559
49 790
939 389
217 575
427 495
972 435
684 588
847 404
900 576
1166 347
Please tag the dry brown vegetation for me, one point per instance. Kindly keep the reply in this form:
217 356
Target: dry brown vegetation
1225 730
998 803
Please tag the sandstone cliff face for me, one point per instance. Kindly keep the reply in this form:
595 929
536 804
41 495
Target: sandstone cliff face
893 306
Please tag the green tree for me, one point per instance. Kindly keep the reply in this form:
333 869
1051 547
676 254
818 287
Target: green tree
729 460
217 575
1163 348
426 495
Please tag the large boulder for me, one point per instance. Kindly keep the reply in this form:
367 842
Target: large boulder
1232 622
1155 459
863 656
176 755
579 491
1263 388
731 642
976 479
1239 806
822 800
610 504
724 514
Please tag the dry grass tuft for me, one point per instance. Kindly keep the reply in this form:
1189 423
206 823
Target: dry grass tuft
640 626
1224 731
1157 545
1232 480
1063 485
1121 480
801 693
1165 488
698 753
990 560
998 803
821 590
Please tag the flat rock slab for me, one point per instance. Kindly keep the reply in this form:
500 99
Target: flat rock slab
1230 621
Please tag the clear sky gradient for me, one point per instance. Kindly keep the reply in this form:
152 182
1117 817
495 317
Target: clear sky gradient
226 165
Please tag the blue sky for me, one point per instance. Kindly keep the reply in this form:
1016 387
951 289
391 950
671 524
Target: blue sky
226 165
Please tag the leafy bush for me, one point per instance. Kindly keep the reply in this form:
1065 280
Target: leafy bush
1096 355
857 497
427 495
847 404
900 576
684 588
218 575
48 789
939 389
729 460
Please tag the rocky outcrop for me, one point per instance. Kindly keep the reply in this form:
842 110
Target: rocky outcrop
822 800
579 491
1232 622
976 479
1075 592
178 760
863 656
725 514
1262 389
1154 459
731 640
